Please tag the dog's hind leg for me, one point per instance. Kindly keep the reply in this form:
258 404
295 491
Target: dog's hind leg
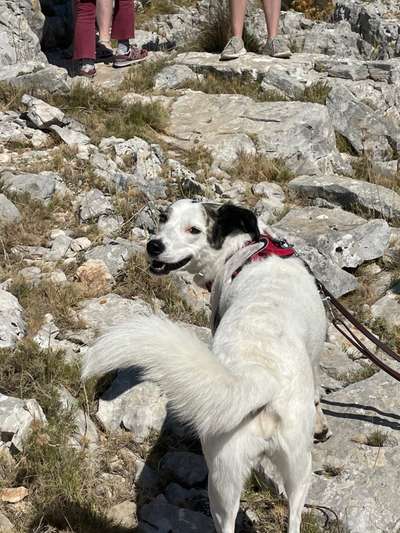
228 468
296 473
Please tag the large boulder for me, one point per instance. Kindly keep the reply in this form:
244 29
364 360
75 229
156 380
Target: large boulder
300 133
20 32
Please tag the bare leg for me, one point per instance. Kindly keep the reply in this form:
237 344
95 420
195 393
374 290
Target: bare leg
238 10
272 10
104 10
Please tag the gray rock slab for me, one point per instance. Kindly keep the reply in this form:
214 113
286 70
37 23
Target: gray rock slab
36 75
160 516
70 136
5 525
114 254
110 310
174 75
16 417
8 211
300 133
388 308
346 239
41 114
188 469
350 193
39 186
137 407
342 68
12 324
93 204
362 493
365 129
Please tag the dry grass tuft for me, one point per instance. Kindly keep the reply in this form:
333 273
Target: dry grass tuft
256 168
314 9
359 374
377 438
104 115
47 297
344 145
10 96
244 85
140 78
317 93
138 282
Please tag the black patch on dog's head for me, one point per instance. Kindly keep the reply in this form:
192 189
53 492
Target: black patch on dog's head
229 219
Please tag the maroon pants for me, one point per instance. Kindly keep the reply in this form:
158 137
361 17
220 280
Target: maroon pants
85 26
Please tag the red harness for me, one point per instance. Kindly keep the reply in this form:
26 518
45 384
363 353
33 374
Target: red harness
271 246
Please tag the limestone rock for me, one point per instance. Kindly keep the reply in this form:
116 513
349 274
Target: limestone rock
13 495
138 407
355 479
12 325
350 193
348 240
16 418
101 313
5 525
388 308
300 133
172 76
8 211
20 32
39 186
123 514
160 516
94 204
70 136
41 114
95 275
186 468
114 254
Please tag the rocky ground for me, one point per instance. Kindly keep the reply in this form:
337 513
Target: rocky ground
311 143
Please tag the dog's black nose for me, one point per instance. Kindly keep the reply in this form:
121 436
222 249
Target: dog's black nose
155 247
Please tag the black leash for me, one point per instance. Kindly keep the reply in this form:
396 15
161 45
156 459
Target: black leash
337 311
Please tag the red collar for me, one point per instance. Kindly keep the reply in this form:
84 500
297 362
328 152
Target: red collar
271 246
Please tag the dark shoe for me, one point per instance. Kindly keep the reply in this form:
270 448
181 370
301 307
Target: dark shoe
104 50
135 55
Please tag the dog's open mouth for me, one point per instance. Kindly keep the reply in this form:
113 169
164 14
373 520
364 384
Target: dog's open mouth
160 268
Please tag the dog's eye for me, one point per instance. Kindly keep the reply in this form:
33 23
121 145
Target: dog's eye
163 218
194 231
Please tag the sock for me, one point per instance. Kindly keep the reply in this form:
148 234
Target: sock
123 47
87 64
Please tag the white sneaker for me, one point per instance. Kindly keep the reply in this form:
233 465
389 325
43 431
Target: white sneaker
234 49
277 47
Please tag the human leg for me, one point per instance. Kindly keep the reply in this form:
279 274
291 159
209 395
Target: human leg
276 45
85 30
235 46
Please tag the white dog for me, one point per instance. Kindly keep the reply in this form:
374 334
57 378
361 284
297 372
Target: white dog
253 393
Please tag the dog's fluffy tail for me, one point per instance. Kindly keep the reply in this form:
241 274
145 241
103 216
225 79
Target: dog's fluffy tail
201 390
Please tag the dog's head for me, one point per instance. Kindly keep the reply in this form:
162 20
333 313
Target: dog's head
191 234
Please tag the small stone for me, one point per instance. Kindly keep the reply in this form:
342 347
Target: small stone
174 75
123 514
8 211
81 243
70 137
93 204
12 324
13 495
41 114
187 468
5 525
95 275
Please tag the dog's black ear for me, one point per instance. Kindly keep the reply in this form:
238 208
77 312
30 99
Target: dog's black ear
229 219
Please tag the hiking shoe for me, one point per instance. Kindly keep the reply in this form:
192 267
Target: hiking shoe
135 55
277 47
104 49
234 49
